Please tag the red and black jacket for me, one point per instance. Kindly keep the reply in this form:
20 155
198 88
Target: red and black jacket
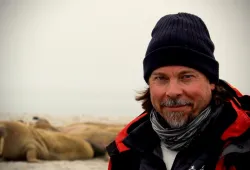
224 145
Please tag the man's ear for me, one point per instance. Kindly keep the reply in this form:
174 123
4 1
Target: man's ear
212 86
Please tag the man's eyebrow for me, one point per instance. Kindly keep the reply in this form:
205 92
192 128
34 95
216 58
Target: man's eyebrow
187 72
158 74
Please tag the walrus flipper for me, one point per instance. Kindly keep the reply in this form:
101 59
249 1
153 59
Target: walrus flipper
31 156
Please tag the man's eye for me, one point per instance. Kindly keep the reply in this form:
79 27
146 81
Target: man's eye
187 76
160 78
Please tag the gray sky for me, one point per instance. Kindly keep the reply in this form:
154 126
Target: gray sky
85 57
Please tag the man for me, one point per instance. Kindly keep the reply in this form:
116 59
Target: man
193 120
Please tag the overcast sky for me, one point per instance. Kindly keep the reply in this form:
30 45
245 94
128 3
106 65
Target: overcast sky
85 57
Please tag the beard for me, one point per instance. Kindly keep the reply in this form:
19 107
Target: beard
176 119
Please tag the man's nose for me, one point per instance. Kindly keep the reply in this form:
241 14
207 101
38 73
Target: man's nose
173 89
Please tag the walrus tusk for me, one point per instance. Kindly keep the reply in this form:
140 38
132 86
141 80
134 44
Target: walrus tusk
1 145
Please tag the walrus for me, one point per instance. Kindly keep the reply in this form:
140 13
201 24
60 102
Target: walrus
42 123
22 142
98 134
103 126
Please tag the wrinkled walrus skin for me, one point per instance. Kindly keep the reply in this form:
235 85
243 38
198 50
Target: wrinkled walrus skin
98 134
23 142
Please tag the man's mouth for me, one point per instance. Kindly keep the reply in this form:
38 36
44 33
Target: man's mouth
176 108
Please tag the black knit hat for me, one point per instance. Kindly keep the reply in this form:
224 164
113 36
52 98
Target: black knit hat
181 39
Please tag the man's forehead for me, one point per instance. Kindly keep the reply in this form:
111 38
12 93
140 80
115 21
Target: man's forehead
173 69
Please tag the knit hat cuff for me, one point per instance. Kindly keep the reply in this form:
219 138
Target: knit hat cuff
182 56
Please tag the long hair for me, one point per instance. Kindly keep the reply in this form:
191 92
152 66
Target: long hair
219 95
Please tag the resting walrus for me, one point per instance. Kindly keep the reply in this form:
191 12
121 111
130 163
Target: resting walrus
97 133
42 123
22 142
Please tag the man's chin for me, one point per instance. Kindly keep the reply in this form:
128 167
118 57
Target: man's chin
176 122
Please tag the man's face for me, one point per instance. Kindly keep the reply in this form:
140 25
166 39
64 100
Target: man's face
179 93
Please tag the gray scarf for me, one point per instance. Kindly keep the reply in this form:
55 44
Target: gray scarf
179 138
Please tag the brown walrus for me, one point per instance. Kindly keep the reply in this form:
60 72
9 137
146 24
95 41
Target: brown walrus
42 123
97 133
22 142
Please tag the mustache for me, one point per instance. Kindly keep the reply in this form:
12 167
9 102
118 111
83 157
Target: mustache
176 102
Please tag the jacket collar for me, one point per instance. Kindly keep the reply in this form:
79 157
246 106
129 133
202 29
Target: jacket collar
143 138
